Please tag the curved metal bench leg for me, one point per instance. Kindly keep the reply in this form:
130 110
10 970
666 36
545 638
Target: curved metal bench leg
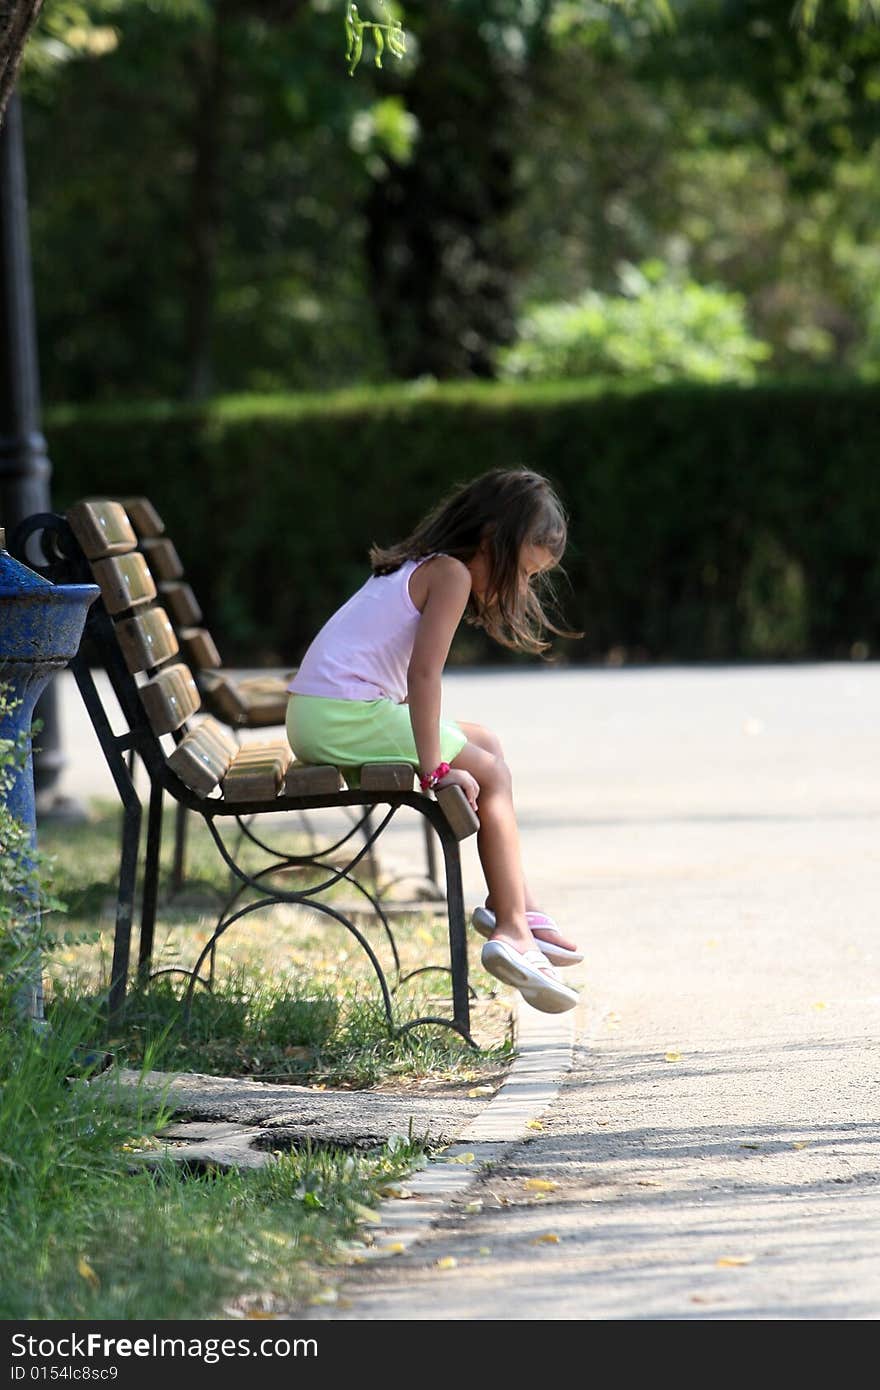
457 930
431 858
179 867
151 882
371 859
121 769
128 863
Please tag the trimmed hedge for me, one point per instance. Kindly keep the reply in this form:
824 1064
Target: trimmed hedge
707 523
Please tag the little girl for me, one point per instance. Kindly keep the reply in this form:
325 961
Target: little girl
368 689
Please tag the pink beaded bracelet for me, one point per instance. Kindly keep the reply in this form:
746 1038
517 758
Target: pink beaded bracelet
431 779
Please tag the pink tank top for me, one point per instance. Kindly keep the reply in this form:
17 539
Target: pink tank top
363 651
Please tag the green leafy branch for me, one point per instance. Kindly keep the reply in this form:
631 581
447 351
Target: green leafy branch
390 36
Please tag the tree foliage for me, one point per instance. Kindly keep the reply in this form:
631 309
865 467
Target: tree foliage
217 207
660 328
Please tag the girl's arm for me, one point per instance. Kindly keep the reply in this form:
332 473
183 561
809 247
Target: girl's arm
448 590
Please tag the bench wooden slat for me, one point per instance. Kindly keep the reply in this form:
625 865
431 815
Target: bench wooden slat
212 729
264 685
147 639
222 697
143 516
169 698
260 752
201 651
312 779
162 557
125 581
387 777
264 707
201 760
181 602
101 528
266 699
458 811
256 772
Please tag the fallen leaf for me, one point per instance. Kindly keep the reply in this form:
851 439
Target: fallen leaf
540 1185
461 1158
480 1091
732 1261
325 1296
801 1144
548 1239
648 1182
472 1207
484 1250
401 1193
396 1247
275 1237
365 1213
820 1005
712 943
534 1124
448 1262
748 1145
672 1057
85 1271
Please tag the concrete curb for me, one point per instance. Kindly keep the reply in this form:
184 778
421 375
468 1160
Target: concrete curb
545 1045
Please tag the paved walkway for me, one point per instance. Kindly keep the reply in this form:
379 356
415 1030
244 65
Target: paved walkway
711 838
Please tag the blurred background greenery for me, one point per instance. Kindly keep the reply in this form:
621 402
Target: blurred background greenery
645 235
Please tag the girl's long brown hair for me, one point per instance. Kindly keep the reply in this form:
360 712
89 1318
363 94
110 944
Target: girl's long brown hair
511 507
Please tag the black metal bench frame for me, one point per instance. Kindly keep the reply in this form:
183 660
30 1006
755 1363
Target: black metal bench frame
65 563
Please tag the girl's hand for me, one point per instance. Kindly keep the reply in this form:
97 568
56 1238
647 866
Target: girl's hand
457 777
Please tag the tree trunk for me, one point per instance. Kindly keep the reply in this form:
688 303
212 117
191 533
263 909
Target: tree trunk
436 243
204 227
17 19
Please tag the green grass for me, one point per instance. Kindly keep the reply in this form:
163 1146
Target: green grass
97 1235
102 1223
293 996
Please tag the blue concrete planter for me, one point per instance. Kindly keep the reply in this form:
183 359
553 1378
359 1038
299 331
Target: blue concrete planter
41 626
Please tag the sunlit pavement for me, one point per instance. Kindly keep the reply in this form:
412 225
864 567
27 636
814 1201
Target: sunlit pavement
711 836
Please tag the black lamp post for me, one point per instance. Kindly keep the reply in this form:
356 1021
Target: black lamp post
24 464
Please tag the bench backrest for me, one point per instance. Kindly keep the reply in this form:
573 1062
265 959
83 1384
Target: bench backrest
255 703
149 644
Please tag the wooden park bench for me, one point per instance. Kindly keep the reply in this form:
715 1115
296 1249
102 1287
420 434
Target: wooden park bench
202 765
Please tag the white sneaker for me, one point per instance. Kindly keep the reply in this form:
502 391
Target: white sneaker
531 974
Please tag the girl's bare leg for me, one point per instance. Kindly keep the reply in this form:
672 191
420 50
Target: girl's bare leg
498 844
488 742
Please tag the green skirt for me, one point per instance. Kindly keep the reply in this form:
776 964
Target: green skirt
349 733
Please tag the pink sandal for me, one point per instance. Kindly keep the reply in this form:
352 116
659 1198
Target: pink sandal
484 922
